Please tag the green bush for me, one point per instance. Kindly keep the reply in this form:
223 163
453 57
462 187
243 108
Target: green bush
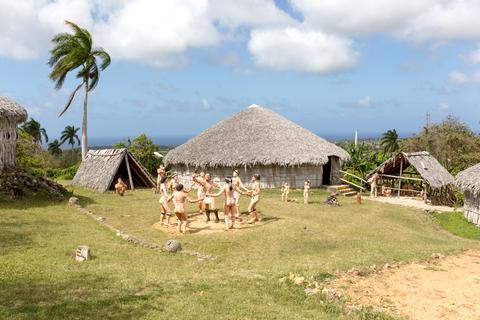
66 174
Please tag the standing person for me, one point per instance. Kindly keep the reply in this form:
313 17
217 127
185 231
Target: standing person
255 198
209 202
160 173
228 192
165 212
174 181
196 177
237 183
306 191
179 196
285 191
373 185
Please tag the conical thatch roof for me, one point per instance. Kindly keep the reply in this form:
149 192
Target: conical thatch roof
254 136
469 179
100 167
12 111
426 165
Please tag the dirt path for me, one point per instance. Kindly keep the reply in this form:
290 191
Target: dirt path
412 202
445 288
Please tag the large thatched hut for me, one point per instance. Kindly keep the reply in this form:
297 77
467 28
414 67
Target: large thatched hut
469 182
10 115
411 173
258 140
101 168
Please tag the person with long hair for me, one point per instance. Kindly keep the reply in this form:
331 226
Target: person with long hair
179 196
165 212
228 191
209 202
255 198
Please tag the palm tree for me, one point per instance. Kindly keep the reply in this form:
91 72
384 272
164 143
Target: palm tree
69 134
34 129
72 51
54 148
389 141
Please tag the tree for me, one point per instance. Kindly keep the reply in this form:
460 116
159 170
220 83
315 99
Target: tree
389 141
143 147
34 129
69 135
72 51
54 148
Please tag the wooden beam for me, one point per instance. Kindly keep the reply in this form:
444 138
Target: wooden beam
129 171
400 180
397 177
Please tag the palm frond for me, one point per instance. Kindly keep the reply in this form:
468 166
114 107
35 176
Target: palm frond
70 99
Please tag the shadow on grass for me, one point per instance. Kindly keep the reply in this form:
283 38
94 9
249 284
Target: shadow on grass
84 296
13 241
38 200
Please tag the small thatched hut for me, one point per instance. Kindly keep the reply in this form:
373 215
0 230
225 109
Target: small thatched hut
469 182
10 115
101 168
410 173
258 140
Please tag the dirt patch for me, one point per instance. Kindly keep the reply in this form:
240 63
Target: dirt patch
412 203
198 225
443 288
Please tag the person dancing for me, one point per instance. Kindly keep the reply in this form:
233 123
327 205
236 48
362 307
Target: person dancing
255 198
228 191
164 196
179 196
238 186
209 202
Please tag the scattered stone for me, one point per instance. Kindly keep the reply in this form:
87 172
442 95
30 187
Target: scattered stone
74 201
298 280
82 253
437 256
311 291
173 246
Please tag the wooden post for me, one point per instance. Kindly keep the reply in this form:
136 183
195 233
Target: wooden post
128 170
400 180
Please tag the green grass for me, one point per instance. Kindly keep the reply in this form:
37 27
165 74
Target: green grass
455 223
39 279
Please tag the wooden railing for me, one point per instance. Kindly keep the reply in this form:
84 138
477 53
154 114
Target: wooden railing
353 180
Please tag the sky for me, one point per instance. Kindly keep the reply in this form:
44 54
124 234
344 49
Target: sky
178 67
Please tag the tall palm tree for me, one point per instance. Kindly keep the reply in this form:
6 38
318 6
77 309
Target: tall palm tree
69 134
34 129
54 148
72 51
389 141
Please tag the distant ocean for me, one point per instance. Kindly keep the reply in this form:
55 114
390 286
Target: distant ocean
177 140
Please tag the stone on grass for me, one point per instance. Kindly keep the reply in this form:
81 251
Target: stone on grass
74 201
173 246
82 253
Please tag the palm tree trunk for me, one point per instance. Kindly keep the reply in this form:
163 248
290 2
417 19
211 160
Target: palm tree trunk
84 122
72 155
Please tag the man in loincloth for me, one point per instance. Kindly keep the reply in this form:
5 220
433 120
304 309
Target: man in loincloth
120 187
373 185
238 186
208 202
161 172
179 196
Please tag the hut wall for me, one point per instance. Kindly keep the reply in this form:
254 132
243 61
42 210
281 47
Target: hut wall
336 164
271 176
471 208
8 140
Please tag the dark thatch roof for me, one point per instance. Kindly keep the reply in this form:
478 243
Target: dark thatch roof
254 136
12 111
469 179
425 164
101 167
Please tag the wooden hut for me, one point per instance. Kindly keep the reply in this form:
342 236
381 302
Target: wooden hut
411 173
10 115
257 140
101 168
469 182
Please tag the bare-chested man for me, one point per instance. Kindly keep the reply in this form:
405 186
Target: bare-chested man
165 211
255 194
229 210
120 187
209 202
237 183
161 172
306 191
200 192
285 191
179 196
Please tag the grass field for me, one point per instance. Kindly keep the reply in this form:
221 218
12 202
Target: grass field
39 279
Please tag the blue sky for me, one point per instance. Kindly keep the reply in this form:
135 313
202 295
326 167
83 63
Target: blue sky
368 69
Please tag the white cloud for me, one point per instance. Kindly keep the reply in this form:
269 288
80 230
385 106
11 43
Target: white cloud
205 104
458 77
302 50
474 56
443 106
365 101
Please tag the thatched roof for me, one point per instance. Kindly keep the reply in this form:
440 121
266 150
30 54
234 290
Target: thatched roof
469 179
101 167
254 136
12 111
431 171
